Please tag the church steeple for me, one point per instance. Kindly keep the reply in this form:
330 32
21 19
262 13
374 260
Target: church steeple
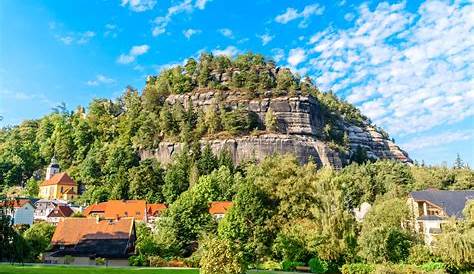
52 169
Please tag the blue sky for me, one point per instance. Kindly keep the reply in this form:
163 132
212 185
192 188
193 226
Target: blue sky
408 65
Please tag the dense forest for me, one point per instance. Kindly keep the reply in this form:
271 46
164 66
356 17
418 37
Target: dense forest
284 214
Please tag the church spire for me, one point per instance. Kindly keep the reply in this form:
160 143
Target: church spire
52 169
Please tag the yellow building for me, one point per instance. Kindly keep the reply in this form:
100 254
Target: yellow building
58 185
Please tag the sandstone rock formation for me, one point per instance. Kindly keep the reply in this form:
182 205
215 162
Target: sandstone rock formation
299 131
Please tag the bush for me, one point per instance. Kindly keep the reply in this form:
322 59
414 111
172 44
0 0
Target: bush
397 269
358 268
432 266
290 265
68 259
317 265
269 265
100 261
419 254
138 260
157 261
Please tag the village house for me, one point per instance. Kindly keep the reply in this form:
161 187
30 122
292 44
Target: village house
116 209
58 185
20 210
87 241
219 209
58 213
43 207
432 207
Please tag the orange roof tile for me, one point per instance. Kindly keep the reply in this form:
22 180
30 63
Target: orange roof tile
71 230
115 209
219 207
155 209
59 179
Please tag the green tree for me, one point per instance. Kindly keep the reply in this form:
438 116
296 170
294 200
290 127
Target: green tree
146 181
270 120
208 161
220 256
38 238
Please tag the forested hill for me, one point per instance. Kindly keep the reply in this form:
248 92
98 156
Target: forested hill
213 98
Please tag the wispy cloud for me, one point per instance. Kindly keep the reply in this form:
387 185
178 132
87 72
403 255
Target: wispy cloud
201 4
161 22
139 5
409 72
227 33
265 38
278 54
444 138
134 52
292 14
111 30
228 51
100 79
190 32
78 38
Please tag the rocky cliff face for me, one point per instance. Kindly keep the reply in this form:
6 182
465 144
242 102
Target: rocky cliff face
300 125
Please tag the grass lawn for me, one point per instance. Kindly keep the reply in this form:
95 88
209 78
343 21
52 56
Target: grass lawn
54 269
47 269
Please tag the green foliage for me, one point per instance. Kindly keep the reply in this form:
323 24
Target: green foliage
432 266
270 120
420 254
38 238
357 268
146 181
137 260
220 256
269 265
317 265
290 265
32 187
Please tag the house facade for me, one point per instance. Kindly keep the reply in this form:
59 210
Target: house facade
82 241
431 208
58 185
20 210
58 213
43 207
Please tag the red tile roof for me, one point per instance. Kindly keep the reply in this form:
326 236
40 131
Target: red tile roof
155 209
219 207
59 179
115 209
17 203
71 230
61 211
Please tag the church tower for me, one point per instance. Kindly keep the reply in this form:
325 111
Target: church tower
52 169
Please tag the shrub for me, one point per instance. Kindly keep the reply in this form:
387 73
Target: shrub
317 265
157 261
419 254
137 260
432 266
269 265
358 268
99 261
290 265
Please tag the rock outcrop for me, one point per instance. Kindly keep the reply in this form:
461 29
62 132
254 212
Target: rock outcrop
300 123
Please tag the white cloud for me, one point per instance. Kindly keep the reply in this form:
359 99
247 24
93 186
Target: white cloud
100 79
79 38
133 53
161 22
190 32
227 33
278 54
266 38
444 138
349 16
228 51
409 72
292 14
111 30
201 4
296 56
139 5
